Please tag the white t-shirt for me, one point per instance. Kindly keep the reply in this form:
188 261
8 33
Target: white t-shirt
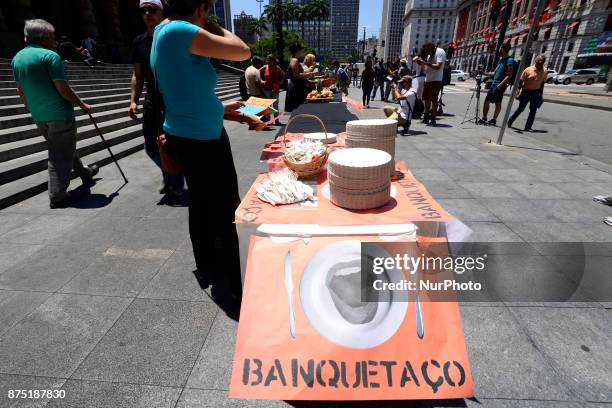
410 95
431 74
252 78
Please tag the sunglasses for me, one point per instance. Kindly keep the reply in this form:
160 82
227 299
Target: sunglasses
149 10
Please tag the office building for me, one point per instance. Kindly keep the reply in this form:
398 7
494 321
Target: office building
568 31
428 21
242 27
223 10
391 29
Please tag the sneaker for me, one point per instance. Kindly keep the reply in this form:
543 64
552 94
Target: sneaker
432 121
510 123
492 122
89 181
608 221
64 203
425 119
529 130
607 200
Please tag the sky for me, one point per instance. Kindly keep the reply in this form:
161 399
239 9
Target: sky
369 13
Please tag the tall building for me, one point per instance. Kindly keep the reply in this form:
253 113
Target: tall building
338 32
242 27
428 21
391 29
223 10
567 29
344 27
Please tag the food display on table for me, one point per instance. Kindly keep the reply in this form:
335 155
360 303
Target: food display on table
326 95
283 187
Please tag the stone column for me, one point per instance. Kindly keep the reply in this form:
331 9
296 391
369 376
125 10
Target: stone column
89 24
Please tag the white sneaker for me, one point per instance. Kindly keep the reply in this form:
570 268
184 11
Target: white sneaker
608 220
607 200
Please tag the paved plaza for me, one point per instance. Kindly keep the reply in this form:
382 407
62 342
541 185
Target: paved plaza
100 300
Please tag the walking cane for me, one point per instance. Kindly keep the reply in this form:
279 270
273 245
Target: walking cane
107 147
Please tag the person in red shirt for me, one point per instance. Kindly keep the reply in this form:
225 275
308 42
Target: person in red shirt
272 77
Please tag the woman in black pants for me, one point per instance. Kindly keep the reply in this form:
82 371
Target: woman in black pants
194 129
367 83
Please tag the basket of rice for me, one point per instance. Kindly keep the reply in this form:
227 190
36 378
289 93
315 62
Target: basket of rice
306 158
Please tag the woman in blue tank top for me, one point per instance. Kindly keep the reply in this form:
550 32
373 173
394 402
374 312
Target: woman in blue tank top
193 126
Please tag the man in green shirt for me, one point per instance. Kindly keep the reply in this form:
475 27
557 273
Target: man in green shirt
44 90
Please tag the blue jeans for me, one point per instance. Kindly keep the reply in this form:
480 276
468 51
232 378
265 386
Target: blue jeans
534 99
378 85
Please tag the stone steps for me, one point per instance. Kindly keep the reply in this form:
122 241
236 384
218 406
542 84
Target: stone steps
23 151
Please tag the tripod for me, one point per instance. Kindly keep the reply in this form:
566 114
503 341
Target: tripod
476 119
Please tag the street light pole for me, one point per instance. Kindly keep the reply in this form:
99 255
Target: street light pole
526 47
259 1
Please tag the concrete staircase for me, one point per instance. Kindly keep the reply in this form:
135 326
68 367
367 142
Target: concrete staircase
23 154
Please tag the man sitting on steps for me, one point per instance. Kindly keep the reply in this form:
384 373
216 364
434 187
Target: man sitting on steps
44 90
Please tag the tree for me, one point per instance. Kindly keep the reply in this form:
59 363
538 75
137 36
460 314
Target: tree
320 10
214 19
272 13
289 10
302 14
259 26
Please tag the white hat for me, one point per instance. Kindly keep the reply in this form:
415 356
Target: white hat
156 3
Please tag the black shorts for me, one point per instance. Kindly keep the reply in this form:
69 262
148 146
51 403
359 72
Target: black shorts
495 96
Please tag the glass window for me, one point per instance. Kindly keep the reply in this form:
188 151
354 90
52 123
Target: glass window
570 47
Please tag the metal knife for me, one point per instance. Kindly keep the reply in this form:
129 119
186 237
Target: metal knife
289 288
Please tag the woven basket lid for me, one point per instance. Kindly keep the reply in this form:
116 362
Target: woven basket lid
372 122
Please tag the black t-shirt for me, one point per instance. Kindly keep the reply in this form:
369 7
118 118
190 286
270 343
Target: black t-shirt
141 53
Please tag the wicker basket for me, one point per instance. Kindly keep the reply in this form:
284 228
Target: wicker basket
305 170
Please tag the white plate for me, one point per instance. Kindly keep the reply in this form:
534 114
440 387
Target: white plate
325 190
320 137
360 157
318 305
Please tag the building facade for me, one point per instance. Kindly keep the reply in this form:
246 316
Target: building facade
223 10
369 48
566 29
428 21
242 27
344 16
334 36
391 29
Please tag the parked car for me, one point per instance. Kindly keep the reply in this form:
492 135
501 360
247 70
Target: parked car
551 74
578 76
459 75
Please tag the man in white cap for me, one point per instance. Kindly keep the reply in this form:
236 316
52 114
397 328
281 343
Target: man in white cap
153 109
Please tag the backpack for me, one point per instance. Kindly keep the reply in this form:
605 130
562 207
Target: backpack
343 77
418 109
446 75
244 93
515 67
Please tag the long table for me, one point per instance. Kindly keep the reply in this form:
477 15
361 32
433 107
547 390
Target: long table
286 350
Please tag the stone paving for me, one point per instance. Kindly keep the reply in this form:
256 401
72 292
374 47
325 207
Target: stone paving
100 300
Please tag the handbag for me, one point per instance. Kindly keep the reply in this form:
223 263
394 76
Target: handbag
168 162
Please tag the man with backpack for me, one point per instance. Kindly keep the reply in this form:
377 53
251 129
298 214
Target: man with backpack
379 80
503 75
344 80
410 105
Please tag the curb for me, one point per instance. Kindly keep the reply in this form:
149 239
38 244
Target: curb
569 103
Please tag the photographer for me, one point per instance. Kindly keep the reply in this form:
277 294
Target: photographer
433 59
501 78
